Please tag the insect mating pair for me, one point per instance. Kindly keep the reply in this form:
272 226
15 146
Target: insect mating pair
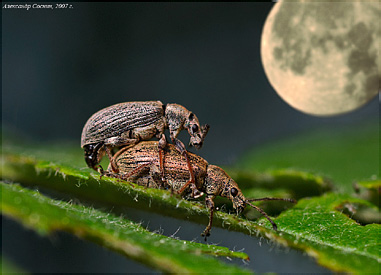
156 164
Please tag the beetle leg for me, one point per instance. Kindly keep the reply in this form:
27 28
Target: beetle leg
135 171
161 159
192 182
157 177
210 205
162 145
114 167
126 176
163 182
116 142
195 192
101 171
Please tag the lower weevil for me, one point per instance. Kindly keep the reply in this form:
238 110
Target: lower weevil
140 164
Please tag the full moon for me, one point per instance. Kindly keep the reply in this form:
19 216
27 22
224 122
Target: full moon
322 58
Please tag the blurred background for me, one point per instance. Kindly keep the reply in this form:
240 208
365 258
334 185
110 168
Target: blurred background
61 66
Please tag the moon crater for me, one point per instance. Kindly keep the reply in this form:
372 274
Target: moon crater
321 58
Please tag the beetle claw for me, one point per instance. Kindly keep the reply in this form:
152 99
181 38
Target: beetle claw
205 234
101 171
196 194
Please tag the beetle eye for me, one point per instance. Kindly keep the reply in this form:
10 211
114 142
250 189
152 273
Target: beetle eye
234 192
194 128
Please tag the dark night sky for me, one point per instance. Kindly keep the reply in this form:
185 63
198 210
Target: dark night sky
61 66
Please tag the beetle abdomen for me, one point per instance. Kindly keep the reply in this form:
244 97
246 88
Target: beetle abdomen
120 118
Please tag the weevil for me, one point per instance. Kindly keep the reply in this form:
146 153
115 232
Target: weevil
130 122
140 164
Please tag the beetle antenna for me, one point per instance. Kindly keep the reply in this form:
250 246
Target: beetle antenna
204 130
273 199
264 214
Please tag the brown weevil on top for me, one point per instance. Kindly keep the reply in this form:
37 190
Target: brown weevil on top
130 122
140 164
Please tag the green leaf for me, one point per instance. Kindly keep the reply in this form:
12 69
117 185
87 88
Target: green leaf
298 184
345 156
336 239
326 227
321 224
370 190
45 215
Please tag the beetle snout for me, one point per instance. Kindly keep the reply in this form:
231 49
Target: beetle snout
196 145
239 205
196 142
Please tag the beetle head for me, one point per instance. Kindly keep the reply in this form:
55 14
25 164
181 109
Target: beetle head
196 131
218 183
178 118
221 184
93 154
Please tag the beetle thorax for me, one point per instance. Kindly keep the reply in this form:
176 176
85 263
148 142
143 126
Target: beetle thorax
175 116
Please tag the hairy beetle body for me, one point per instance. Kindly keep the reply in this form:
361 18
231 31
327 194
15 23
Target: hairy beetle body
140 164
130 122
124 120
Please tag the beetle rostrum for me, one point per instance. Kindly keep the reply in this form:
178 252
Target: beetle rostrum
140 164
